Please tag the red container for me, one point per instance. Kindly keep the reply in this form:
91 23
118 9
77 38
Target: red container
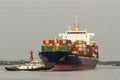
73 49
44 42
61 42
95 46
80 52
91 52
88 46
74 45
95 50
76 49
50 41
75 42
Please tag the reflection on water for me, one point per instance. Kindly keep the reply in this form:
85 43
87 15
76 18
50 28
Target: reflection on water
100 73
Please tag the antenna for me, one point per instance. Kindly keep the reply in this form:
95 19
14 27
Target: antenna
76 24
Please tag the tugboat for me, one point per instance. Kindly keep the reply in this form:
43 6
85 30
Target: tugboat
34 65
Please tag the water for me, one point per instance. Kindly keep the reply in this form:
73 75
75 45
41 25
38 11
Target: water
100 73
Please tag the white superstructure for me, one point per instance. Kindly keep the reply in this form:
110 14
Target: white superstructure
32 65
76 34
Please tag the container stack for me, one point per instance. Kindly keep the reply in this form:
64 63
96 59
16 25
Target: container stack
91 50
57 45
79 47
82 49
48 42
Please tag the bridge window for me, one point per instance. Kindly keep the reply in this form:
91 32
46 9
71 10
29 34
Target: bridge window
76 32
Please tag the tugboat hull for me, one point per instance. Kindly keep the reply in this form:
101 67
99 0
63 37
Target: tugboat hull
16 69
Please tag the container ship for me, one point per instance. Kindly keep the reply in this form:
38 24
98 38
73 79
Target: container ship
70 51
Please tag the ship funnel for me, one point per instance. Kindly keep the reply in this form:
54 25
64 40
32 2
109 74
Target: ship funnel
76 24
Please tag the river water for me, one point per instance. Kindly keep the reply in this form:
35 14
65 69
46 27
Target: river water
100 73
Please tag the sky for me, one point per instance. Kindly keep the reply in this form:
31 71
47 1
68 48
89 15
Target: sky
25 23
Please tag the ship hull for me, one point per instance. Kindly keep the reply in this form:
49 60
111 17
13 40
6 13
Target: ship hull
66 61
72 67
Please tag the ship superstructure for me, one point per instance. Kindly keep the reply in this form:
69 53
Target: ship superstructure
77 34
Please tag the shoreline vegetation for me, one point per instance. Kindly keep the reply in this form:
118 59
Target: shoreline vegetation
13 62
23 61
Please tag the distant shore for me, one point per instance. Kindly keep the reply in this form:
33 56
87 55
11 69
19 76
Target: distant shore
13 62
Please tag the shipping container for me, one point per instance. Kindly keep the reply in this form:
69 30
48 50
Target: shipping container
47 48
74 52
95 46
80 49
83 49
73 45
84 53
64 41
55 48
57 44
50 41
84 45
61 42
45 42
50 48
95 50
80 42
69 45
80 45
76 45
88 46
80 52
55 41
62 48
44 48
68 42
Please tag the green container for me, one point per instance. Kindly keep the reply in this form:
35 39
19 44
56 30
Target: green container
44 48
50 48
55 48
47 48
64 48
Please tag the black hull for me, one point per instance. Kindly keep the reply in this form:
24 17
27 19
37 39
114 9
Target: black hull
66 61
35 69
11 69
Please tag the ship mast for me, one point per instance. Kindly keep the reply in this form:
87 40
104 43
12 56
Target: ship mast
76 24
